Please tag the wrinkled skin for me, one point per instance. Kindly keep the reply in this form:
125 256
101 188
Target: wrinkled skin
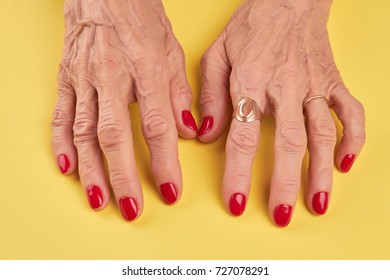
277 52
115 53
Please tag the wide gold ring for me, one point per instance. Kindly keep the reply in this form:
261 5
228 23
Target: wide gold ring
311 98
248 111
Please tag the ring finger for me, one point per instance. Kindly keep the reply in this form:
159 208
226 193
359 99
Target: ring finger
321 133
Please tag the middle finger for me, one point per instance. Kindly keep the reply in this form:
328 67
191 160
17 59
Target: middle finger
290 147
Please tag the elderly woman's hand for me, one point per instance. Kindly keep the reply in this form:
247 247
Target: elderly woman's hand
277 53
117 52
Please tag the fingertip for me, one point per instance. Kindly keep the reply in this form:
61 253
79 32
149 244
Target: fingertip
66 164
237 203
169 193
129 208
96 199
185 121
346 163
205 127
282 214
319 203
189 128
211 128
188 120
63 163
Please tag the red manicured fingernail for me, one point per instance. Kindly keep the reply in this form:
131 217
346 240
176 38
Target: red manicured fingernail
237 204
206 125
282 214
128 207
347 162
320 202
63 163
189 120
95 197
169 193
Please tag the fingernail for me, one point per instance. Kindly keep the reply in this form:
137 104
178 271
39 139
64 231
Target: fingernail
95 197
237 204
207 124
128 207
169 193
189 120
347 162
320 202
63 163
282 215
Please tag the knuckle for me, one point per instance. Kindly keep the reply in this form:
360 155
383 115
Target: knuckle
84 130
242 176
292 137
86 168
184 91
155 125
119 179
292 75
206 98
110 132
359 138
323 130
147 63
61 117
289 71
106 62
110 71
287 185
149 71
79 74
78 64
324 173
74 63
245 75
64 88
245 140
357 110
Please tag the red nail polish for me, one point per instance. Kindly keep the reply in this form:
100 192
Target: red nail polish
189 120
206 126
347 162
63 163
237 204
282 215
169 193
95 197
128 207
320 202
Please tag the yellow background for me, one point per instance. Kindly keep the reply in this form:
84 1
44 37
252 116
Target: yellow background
44 215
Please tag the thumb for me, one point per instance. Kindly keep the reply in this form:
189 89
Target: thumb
215 99
181 94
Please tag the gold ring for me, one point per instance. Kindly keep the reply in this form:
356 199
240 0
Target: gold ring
311 98
248 111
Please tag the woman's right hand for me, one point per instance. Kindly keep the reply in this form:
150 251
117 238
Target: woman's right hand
117 52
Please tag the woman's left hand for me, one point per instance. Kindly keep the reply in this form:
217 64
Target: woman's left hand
277 53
